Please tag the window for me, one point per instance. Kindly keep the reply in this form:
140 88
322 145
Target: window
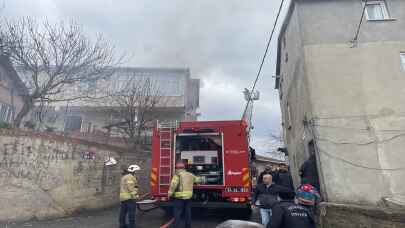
402 56
73 123
376 10
6 113
88 87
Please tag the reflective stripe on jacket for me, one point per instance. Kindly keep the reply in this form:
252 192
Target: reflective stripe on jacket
181 186
129 188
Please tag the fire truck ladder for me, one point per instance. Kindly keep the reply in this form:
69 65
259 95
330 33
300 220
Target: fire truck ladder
166 137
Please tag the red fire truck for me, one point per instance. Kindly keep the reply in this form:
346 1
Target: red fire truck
216 150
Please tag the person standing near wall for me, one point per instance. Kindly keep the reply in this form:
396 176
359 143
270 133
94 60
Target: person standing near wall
308 197
308 170
283 177
128 197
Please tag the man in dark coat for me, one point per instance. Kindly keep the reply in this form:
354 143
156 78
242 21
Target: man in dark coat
283 177
309 172
265 196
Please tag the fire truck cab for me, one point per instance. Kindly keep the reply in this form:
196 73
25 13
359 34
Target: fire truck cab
215 150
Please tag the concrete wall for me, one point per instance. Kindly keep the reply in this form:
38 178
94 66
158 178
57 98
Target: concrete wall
355 216
357 97
336 21
352 96
294 95
192 99
43 176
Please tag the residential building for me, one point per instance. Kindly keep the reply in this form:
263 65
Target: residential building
345 94
262 161
12 90
179 100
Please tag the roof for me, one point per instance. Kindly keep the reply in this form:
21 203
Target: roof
158 70
280 35
261 158
12 74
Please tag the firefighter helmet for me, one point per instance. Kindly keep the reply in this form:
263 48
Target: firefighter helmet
133 168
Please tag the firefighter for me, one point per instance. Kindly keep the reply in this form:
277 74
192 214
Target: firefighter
128 196
181 190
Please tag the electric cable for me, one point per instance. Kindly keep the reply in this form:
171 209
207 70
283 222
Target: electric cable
264 58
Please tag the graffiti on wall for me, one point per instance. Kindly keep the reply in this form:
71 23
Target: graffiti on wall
49 165
21 162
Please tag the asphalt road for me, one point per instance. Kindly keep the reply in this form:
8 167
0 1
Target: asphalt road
108 219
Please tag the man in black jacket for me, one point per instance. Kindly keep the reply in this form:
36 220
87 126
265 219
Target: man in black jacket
288 214
283 177
265 196
309 172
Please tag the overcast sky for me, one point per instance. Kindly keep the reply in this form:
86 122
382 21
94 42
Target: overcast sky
220 41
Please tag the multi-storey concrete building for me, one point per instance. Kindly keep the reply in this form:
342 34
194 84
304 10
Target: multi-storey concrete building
178 91
345 94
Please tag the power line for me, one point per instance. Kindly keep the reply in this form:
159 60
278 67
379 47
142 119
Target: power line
356 36
263 59
347 161
352 163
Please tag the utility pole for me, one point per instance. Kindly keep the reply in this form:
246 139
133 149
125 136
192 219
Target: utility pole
250 97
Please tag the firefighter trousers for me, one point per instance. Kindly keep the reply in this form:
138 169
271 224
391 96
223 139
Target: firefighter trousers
128 209
182 207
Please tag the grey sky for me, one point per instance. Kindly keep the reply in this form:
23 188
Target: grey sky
220 41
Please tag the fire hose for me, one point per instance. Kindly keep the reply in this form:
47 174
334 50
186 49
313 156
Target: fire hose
166 225
152 202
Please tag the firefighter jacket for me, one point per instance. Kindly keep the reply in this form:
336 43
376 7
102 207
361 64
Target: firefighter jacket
181 186
129 188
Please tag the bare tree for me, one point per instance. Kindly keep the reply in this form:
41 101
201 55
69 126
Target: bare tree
54 60
134 107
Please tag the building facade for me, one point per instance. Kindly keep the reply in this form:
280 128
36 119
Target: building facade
345 94
12 90
178 91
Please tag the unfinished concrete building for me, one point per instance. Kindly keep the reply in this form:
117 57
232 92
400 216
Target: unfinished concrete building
94 118
345 93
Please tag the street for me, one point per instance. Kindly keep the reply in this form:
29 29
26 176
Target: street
109 219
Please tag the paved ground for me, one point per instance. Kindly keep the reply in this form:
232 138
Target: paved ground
108 219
